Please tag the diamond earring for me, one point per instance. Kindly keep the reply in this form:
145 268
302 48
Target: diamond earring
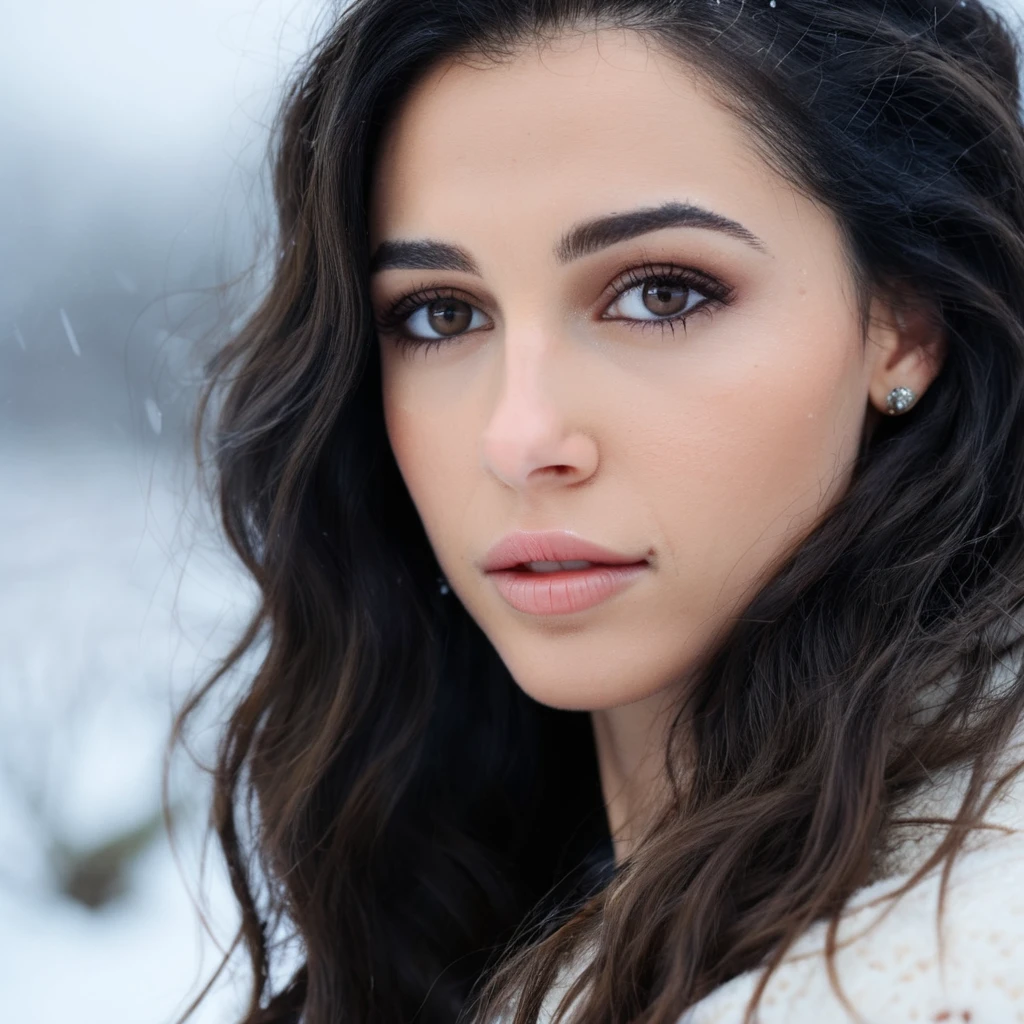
442 585
899 400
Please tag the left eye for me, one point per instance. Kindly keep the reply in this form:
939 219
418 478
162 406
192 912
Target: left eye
654 300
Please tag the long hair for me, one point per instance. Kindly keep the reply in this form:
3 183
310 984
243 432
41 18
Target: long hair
435 839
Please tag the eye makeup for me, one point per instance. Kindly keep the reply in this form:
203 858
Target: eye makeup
446 307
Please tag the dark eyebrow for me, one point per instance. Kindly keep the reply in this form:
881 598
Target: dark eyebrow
601 232
422 255
582 240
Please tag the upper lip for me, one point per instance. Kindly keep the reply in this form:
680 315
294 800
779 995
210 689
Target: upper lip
552 546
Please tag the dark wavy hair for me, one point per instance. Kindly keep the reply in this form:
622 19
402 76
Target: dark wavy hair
435 839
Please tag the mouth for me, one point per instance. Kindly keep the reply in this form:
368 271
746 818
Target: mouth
575 566
563 588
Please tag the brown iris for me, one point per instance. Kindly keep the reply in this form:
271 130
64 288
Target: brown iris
664 298
449 316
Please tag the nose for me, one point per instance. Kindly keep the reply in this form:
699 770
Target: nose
536 435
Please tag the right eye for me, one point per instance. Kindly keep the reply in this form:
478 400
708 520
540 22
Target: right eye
441 318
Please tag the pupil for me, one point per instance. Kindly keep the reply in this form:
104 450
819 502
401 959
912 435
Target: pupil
449 316
665 299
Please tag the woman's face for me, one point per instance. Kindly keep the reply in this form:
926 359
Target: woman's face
587 350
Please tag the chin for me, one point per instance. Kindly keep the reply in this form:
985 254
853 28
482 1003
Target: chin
582 687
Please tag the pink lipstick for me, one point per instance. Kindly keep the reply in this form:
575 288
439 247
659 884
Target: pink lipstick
558 573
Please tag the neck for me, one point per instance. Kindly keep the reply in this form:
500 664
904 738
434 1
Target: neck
630 743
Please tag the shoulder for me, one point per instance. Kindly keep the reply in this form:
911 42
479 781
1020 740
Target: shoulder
892 963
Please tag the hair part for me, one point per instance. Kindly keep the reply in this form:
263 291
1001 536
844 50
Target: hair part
384 787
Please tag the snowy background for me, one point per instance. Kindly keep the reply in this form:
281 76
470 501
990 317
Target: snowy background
132 136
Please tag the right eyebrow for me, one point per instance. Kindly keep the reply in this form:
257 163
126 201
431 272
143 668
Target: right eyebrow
422 255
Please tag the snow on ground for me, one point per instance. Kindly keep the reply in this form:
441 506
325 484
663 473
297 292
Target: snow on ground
114 602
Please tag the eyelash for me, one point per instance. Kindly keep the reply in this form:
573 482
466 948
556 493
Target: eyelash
717 294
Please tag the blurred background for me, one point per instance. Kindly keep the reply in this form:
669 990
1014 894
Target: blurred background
132 147
132 185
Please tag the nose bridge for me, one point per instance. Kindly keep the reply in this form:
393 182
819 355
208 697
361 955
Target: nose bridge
530 422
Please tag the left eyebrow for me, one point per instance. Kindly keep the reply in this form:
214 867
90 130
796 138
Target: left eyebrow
592 235
580 241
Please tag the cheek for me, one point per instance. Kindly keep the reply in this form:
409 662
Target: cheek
744 481
431 455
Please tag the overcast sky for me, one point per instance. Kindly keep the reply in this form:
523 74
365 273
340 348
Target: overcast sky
142 78
142 104
132 133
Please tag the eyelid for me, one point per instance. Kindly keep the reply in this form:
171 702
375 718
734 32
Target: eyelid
396 313
634 275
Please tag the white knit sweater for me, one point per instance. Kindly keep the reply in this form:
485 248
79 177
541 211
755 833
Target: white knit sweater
889 963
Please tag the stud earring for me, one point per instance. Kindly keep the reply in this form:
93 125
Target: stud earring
899 401
442 585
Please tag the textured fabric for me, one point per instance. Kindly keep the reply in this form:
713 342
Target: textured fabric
889 964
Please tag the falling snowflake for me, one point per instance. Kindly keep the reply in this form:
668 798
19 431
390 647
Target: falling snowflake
126 282
69 331
153 414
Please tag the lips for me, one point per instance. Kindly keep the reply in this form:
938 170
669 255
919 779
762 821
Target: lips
517 549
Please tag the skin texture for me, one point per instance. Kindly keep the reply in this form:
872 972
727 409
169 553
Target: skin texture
712 450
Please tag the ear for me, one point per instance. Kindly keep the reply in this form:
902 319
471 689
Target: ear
907 347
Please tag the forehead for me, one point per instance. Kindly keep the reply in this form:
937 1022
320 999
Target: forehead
570 127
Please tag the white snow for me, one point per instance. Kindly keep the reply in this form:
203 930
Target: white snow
69 331
113 603
154 415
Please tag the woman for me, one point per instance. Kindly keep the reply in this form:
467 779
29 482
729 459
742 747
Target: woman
629 449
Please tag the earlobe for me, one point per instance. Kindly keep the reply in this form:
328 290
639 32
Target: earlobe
911 349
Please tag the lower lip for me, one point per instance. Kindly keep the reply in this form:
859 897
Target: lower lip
565 591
